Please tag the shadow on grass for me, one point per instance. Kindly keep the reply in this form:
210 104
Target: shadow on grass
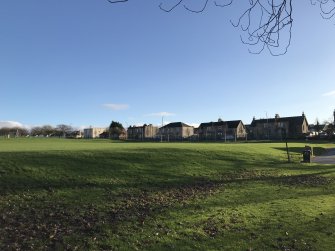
131 169
298 150
136 185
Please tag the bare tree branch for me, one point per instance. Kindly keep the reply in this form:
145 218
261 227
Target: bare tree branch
117 1
264 23
327 8
273 20
172 8
197 11
223 5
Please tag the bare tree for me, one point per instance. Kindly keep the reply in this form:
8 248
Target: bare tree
264 23
48 130
63 130
36 131
13 132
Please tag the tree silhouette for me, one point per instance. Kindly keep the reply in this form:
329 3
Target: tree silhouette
265 24
116 129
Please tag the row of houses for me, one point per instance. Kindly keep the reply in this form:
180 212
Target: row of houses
260 129
279 128
220 130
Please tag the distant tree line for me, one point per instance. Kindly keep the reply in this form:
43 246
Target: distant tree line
117 131
61 130
114 131
50 131
14 131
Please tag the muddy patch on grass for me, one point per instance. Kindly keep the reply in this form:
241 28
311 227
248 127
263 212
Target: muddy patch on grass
43 224
303 180
142 205
211 228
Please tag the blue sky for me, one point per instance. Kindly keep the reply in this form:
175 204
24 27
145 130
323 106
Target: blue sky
85 63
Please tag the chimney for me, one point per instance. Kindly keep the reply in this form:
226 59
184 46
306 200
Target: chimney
277 116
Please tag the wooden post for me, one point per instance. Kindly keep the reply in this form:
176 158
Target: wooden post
288 153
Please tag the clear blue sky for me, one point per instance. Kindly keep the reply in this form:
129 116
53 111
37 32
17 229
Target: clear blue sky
84 63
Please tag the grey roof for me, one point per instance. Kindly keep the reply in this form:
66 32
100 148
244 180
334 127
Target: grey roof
229 124
145 125
297 120
176 124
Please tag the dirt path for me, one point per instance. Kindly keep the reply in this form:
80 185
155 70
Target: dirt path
326 158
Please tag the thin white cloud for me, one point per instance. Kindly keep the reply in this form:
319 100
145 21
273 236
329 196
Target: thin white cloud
116 107
195 125
160 114
82 127
10 124
329 94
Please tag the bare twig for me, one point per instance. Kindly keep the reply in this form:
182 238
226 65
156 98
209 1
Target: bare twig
197 11
223 5
274 22
264 23
327 8
172 8
117 1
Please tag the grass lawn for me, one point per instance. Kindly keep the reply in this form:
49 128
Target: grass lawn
60 194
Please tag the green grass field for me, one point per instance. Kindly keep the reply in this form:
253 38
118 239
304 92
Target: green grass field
60 194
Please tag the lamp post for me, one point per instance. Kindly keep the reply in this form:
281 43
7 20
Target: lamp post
162 129
267 125
283 133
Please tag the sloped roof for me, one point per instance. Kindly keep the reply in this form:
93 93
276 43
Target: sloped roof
176 124
296 120
229 124
142 126
135 127
234 123
208 124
